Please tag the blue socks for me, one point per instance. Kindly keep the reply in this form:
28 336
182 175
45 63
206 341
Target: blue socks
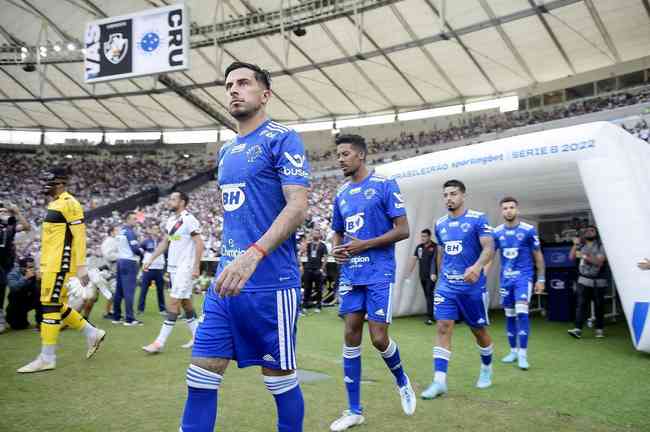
524 324
511 327
288 400
392 360
200 413
441 357
352 377
486 354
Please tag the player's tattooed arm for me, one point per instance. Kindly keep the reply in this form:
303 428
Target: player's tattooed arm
473 273
233 278
399 232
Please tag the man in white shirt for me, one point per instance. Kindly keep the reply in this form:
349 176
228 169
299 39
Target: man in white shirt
155 272
183 264
110 253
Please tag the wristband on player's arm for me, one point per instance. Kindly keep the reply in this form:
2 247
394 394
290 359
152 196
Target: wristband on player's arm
260 249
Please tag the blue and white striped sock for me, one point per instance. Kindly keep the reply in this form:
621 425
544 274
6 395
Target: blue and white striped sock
201 406
288 400
486 354
392 360
352 377
441 357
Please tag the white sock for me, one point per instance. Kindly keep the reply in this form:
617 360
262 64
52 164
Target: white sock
48 353
523 352
192 323
440 377
89 331
165 331
514 350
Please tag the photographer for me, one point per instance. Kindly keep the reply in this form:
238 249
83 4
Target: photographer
11 222
24 294
592 280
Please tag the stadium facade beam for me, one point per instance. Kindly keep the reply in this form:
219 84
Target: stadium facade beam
506 39
603 30
427 54
646 5
390 61
460 42
358 68
310 60
540 10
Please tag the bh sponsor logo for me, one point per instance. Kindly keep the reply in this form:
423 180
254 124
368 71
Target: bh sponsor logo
233 196
354 223
453 247
510 253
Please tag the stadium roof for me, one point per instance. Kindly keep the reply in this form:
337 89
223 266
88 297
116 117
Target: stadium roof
356 57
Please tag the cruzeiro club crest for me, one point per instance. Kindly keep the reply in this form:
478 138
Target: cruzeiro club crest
149 42
115 48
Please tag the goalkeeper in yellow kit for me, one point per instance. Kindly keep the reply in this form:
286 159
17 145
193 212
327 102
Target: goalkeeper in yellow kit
63 255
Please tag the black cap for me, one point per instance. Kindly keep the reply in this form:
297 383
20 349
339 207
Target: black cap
55 173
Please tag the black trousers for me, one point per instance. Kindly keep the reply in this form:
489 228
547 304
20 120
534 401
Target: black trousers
427 287
312 281
20 303
584 296
3 288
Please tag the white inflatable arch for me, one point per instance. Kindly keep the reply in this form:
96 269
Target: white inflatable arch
595 166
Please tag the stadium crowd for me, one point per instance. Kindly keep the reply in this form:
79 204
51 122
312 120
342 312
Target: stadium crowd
471 127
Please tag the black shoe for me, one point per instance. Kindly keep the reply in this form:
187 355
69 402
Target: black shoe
108 316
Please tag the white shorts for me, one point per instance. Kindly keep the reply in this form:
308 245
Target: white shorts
181 285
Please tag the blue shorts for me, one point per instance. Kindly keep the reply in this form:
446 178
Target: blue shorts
372 299
515 290
255 328
449 304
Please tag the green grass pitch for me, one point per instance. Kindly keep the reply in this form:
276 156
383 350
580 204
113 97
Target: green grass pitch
585 385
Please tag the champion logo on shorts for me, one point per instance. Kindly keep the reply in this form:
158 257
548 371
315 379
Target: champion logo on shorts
380 312
348 380
268 358
480 321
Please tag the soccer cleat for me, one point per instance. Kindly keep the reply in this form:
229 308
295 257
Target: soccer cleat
522 362
576 333
94 343
434 390
189 344
428 322
484 378
117 322
599 334
510 358
133 323
346 421
407 396
37 365
153 348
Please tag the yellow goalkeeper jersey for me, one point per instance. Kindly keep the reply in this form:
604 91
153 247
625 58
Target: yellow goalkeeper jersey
63 237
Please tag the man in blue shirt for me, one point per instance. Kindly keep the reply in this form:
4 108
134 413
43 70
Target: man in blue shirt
154 272
368 219
251 310
465 246
520 253
129 253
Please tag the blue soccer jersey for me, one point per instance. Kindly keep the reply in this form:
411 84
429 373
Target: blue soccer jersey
252 171
459 238
366 210
516 246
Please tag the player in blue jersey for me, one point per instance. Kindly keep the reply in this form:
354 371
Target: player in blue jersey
368 219
251 310
520 253
465 247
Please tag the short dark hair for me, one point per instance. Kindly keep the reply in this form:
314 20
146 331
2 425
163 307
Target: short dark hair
183 196
261 75
110 229
356 141
455 183
426 231
508 199
129 213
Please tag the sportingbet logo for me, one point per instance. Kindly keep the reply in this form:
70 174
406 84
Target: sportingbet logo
233 198
453 247
510 253
296 160
354 223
